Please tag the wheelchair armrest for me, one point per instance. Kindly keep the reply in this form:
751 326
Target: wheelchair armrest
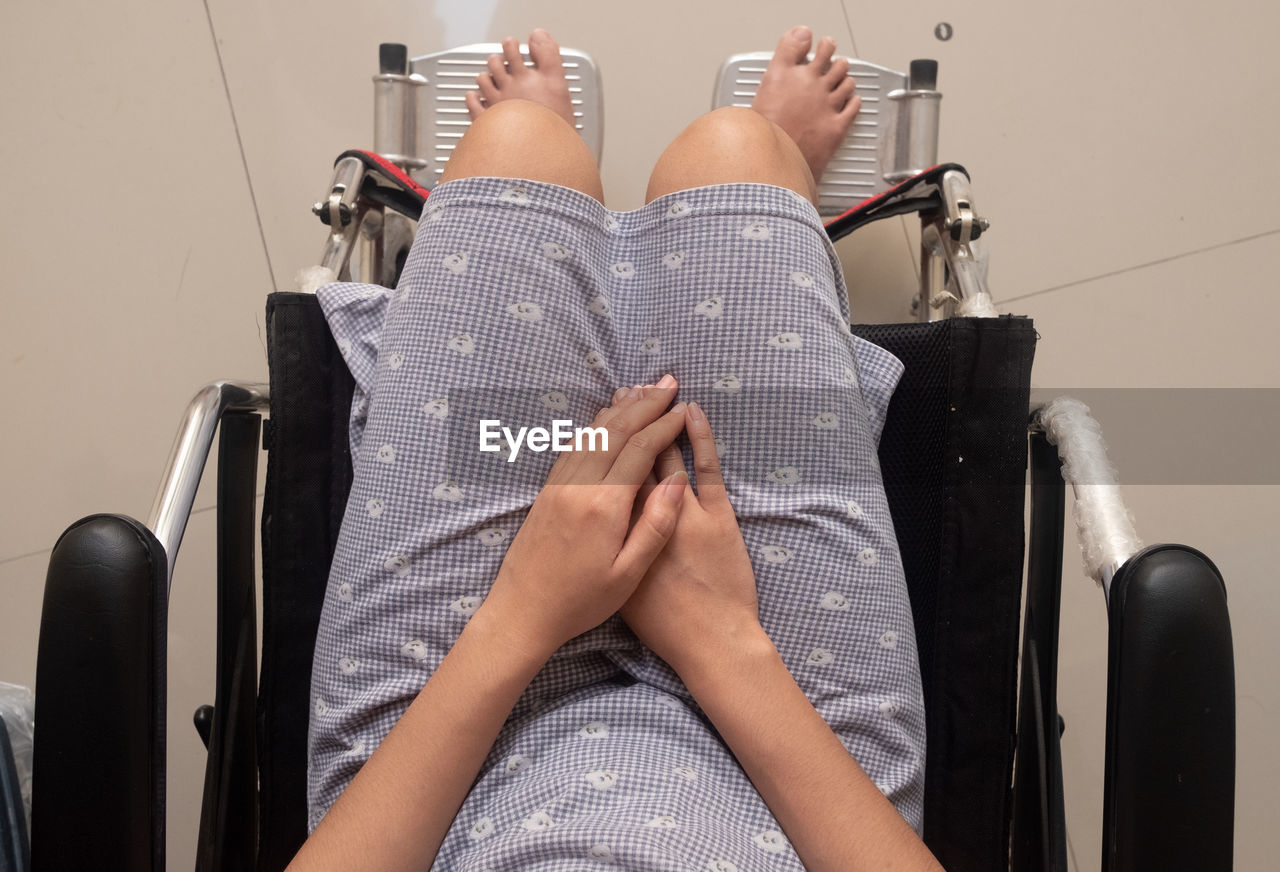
1170 758
99 752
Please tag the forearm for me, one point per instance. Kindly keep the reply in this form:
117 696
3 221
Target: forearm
833 814
398 808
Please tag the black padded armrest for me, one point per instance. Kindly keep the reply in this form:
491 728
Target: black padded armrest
1170 761
99 752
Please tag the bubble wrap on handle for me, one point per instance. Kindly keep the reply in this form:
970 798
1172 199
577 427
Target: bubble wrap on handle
18 708
1105 527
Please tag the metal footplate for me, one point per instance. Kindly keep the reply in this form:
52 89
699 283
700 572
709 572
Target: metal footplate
442 115
894 137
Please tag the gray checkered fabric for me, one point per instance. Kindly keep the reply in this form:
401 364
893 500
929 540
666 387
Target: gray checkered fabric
526 303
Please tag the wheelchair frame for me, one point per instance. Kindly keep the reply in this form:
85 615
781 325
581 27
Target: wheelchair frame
1170 747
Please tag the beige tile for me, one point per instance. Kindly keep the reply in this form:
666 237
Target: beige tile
192 665
303 94
1099 135
191 662
1235 527
1191 322
22 580
192 675
135 275
880 270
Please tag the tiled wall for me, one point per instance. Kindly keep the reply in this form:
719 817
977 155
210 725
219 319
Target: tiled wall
160 160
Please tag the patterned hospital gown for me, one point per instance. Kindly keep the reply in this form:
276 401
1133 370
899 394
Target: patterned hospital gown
527 303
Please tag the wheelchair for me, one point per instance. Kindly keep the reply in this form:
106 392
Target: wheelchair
960 450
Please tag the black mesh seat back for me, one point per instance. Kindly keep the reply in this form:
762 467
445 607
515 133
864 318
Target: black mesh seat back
954 458
955 486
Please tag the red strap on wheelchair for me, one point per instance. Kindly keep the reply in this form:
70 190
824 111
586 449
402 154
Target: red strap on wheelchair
916 194
389 185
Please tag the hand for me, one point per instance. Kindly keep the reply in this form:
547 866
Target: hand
574 560
698 600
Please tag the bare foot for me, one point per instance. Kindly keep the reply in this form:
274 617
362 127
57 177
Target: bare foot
508 78
813 102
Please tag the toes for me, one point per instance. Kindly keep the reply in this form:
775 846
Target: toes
474 107
822 55
850 109
842 93
511 53
498 73
544 51
839 71
794 45
488 90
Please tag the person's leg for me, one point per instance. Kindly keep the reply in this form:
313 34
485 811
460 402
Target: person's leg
522 128
746 306
798 119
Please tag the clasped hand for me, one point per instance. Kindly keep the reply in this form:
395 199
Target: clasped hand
621 530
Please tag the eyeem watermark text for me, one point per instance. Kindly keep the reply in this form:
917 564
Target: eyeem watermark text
562 436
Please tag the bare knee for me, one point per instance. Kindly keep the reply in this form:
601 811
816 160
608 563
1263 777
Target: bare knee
731 144
526 140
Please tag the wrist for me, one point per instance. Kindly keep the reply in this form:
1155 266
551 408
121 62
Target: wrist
745 647
506 639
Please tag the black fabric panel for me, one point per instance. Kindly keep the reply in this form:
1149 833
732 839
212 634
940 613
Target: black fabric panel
954 456
308 479
228 834
99 761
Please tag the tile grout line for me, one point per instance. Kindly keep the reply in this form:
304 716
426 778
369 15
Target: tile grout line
1139 266
844 9
200 511
244 161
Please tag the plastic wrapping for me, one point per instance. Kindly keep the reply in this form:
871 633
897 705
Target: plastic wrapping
18 708
1107 536
311 277
977 305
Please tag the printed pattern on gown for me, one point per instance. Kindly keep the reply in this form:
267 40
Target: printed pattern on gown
528 303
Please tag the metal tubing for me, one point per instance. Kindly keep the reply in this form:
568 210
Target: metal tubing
916 143
177 493
928 306
396 100
341 211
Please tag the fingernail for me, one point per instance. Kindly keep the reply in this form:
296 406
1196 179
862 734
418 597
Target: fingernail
632 393
618 395
673 487
798 31
678 407
667 381
696 413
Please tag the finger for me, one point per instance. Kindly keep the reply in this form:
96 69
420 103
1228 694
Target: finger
472 99
706 463
511 53
669 462
630 419
656 524
637 457
646 490
625 396
566 469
